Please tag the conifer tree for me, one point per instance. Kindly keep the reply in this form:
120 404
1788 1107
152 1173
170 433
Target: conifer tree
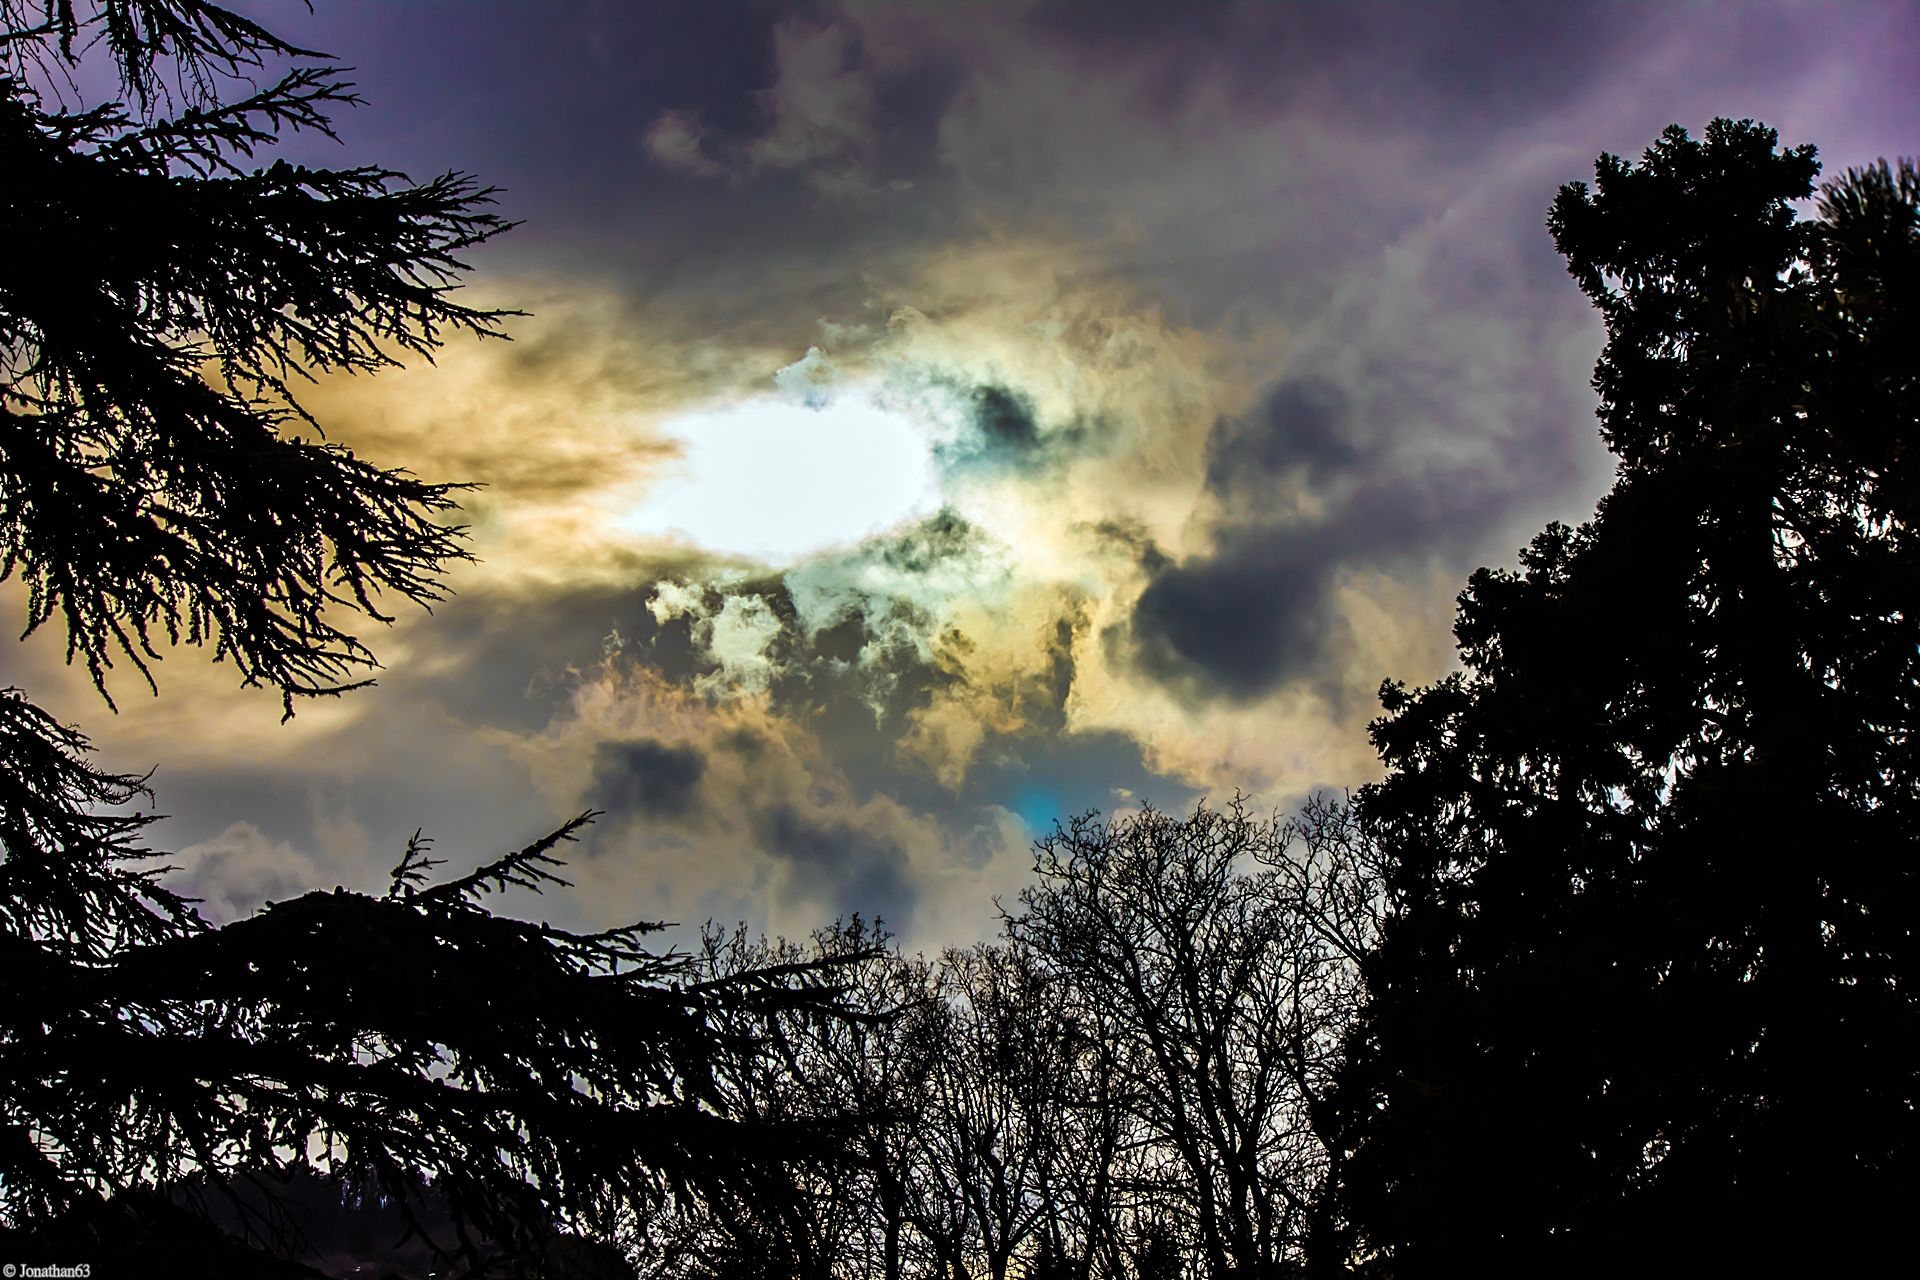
165 293
1650 998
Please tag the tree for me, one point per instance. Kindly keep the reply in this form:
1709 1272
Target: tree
950 1065
1214 960
854 1068
1650 983
156 479
989 1142
160 482
1128 1084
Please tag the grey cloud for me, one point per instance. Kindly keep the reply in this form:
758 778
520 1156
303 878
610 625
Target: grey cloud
504 660
830 115
1242 620
1298 434
850 868
842 641
647 777
1321 483
1257 611
674 141
1005 418
1005 432
242 868
1431 415
941 537
863 660
1132 538
820 106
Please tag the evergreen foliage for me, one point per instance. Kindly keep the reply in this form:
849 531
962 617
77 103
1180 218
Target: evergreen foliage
158 477
1651 989
160 483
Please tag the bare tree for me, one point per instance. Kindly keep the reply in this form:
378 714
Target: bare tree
1218 955
852 1068
1126 1086
989 1145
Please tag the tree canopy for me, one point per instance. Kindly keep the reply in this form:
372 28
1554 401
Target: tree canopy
1652 982
1123 1085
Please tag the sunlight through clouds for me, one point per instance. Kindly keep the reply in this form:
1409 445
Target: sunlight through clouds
926 414
775 480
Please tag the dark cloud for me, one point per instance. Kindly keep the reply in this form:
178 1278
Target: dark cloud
1005 432
1005 418
1257 610
1132 537
863 705
842 641
853 869
1298 434
941 537
1076 774
511 662
1305 504
1242 620
646 776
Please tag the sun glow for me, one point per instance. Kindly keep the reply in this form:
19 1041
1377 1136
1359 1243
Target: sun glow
777 479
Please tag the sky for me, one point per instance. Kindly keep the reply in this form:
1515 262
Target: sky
935 420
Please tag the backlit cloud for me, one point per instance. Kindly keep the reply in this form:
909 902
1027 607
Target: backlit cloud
934 420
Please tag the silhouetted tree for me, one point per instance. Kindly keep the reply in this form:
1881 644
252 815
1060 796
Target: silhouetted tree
1649 998
1215 962
160 484
841 1068
989 1135
1056 1104
158 478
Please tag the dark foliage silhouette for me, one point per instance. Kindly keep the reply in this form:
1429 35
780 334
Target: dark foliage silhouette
847 1215
160 480
1649 998
494 1082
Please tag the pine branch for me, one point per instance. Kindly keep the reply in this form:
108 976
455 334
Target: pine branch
524 868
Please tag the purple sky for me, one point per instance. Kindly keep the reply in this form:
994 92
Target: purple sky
939 418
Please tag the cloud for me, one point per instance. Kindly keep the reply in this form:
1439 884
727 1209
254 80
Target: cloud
869 870
1297 437
778 831
567 429
673 139
647 776
804 379
1238 340
240 869
820 107
852 732
819 116
1005 418
1243 619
